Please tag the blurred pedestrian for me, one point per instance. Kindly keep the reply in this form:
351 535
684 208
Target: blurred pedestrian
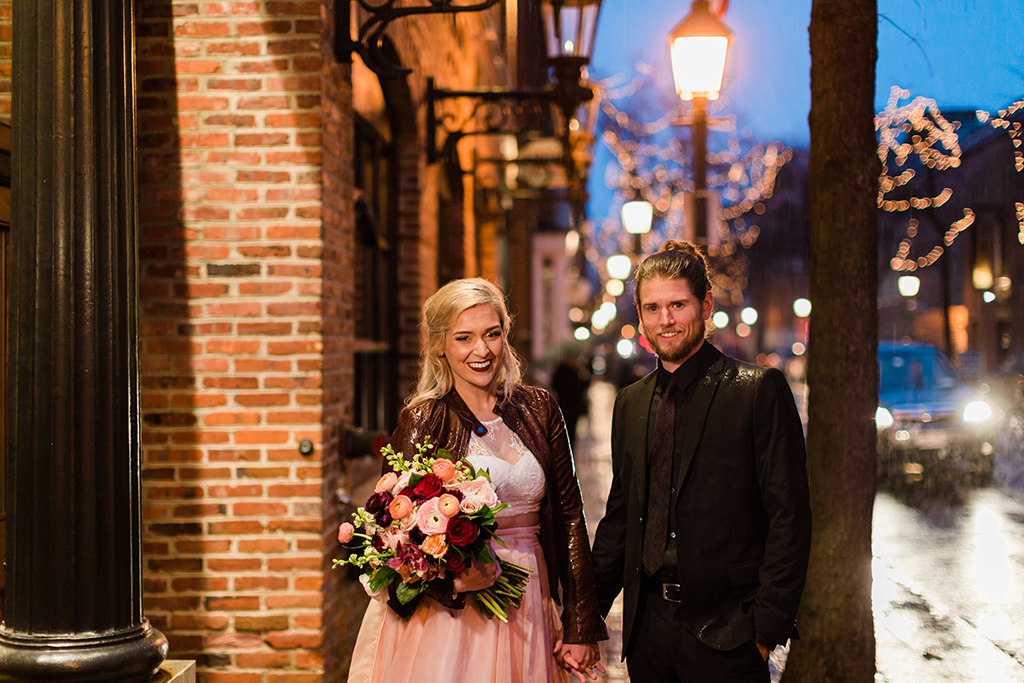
571 391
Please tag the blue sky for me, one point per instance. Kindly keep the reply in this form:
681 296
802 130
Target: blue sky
964 54
967 54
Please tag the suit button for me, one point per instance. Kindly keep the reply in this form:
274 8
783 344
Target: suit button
637 572
673 490
673 534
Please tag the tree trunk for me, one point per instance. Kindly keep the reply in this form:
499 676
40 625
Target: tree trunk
835 622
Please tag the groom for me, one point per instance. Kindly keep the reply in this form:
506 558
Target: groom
708 525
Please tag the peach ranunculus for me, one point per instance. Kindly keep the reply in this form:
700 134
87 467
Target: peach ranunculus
435 545
430 520
400 507
479 489
345 531
470 505
386 483
448 505
444 470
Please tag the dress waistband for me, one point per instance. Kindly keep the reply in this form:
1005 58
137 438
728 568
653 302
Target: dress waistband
518 533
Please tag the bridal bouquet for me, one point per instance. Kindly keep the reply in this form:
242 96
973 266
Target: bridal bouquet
430 517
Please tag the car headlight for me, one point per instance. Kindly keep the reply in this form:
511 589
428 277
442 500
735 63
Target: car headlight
977 411
883 418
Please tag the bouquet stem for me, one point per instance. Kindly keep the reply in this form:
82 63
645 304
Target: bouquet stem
505 594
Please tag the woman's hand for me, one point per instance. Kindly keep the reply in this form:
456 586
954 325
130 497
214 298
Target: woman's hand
477 576
580 659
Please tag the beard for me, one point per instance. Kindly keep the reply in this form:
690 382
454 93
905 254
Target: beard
679 353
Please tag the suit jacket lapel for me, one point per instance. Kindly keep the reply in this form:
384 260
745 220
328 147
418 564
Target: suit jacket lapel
695 416
637 425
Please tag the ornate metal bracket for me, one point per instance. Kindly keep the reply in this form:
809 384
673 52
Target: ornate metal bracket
369 43
495 111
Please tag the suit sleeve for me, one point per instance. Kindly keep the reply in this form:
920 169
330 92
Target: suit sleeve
781 462
610 540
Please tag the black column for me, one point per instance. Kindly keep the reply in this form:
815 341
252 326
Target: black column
74 558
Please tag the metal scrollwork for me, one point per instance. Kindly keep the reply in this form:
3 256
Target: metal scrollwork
370 41
494 112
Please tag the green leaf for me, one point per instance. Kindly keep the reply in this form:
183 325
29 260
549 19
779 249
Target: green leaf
483 554
446 455
415 479
382 578
407 591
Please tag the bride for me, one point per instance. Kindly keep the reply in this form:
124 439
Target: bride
470 400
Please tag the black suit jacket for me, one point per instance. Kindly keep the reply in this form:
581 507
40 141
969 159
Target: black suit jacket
742 511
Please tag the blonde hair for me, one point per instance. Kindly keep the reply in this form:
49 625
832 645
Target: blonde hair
439 314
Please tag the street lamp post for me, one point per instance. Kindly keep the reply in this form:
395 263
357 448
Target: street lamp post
698 46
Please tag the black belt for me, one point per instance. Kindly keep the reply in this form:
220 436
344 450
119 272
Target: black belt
665 579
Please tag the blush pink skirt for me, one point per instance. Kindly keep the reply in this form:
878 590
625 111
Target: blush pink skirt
462 646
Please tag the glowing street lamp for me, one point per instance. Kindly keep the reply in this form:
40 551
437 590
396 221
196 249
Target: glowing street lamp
698 47
637 216
619 266
909 285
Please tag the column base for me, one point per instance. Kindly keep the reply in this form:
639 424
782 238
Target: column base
129 656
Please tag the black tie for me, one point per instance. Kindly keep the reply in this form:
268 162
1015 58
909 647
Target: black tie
658 497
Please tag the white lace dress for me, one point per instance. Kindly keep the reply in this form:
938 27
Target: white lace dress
462 646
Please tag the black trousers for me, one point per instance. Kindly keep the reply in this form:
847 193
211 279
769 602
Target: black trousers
664 650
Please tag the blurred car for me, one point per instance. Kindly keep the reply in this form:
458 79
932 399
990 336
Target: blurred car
928 417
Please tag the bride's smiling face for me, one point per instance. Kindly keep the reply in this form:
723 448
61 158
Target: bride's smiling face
474 347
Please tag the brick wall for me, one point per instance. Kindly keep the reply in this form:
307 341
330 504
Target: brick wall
6 9
233 289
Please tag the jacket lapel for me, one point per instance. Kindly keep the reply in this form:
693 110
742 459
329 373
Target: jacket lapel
696 415
637 424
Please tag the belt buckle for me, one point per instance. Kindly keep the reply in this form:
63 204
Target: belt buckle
670 592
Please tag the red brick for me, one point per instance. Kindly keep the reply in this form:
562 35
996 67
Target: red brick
266 545
272 622
195 584
214 676
194 622
230 382
261 437
292 639
233 564
264 288
235 527
263 660
233 346
259 509
233 603
202 29
231 418
294 417
293 490
241 491
293 600
235 309
262 582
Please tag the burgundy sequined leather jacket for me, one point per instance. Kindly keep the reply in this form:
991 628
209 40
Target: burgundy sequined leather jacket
533 415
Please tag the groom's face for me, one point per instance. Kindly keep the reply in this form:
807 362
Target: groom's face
673 319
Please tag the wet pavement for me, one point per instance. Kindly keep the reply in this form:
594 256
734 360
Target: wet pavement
949 572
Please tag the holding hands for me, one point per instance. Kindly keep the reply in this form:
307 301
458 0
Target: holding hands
582 660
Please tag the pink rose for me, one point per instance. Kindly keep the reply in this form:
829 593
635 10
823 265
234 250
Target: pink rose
443 470
471 506
430 520
435 546
481 490
400 507
448 505
403 481
386 483
345 531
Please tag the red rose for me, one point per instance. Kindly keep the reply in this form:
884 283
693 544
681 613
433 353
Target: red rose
454 561
428 487
461 532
